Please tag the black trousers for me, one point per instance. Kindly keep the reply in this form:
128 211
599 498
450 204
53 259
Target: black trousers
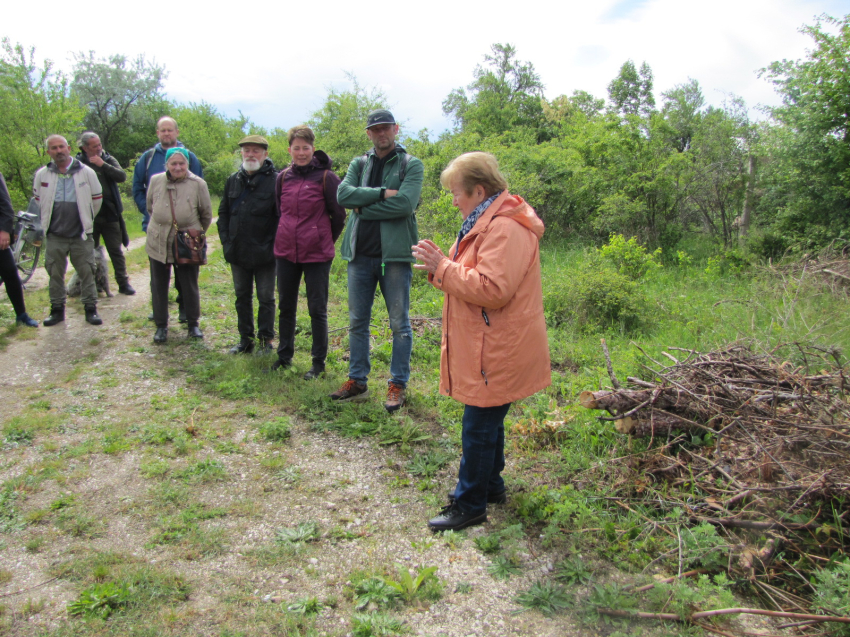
12 281
316 277
161 278
111 233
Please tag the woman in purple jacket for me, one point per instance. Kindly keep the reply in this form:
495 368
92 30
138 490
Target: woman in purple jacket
311 220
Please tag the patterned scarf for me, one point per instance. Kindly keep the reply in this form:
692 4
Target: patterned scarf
469 222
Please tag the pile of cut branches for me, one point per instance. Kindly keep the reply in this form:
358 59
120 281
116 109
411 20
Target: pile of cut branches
761 440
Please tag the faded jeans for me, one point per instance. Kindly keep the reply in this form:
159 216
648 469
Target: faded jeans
365 274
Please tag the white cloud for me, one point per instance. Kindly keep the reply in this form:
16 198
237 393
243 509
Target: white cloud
245 56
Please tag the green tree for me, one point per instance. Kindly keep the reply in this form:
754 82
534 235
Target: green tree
808 172
35 102
340 124
122 97
505 94
630 93
682 108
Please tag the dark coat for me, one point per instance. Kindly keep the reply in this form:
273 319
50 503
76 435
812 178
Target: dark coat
311 219
246 227
7 211
110 175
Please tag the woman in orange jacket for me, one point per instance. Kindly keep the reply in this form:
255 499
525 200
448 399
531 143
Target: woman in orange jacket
494 348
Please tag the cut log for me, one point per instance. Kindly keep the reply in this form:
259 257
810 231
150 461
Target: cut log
624 400
652 423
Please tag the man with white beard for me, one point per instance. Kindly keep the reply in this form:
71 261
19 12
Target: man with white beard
247 222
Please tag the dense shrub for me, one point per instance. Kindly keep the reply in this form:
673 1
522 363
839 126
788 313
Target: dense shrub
630 257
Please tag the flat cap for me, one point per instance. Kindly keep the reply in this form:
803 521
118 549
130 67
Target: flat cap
259 140
381 116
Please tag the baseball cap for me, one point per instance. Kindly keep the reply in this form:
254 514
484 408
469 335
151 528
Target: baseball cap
381 116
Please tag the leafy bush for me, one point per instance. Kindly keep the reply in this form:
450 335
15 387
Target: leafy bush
730 262
629 257
594 298
768 245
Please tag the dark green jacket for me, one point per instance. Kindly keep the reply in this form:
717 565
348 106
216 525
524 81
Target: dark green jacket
396 214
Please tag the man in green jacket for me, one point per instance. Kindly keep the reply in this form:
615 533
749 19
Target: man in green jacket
382 188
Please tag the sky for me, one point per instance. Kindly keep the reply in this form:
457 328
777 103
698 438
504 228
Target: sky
276 61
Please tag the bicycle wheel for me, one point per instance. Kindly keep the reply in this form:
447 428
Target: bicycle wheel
26 257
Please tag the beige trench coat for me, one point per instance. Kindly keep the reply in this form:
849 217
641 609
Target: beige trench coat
192 208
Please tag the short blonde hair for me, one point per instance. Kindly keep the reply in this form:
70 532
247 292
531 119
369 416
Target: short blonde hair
473 169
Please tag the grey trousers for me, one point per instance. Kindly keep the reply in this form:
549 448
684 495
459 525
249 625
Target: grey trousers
56 263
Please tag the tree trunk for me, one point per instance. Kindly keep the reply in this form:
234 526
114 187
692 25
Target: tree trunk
748 200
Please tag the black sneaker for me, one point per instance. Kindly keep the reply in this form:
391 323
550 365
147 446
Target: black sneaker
492 498
126 288
314 372
244 347
451 518
161 335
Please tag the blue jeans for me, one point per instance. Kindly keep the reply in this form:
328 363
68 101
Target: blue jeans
483 442
244 280
364 275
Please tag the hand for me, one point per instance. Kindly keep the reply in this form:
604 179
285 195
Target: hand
97 160
5 239
430 255
390 193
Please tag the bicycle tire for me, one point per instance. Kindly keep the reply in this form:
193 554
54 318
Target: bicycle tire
26 257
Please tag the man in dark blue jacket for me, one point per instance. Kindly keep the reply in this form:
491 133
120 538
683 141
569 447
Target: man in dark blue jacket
152 162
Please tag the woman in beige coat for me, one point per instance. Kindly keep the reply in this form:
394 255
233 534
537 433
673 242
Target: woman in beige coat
190 197
494 345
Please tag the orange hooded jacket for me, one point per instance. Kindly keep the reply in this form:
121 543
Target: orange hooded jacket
494 346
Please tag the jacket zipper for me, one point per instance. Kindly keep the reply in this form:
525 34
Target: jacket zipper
487 323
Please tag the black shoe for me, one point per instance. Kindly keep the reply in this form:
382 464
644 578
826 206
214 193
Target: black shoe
279 365
92 316
57 315
451 518
244 347
195 332
24 319
126 288
492 498
263 348
181 315
161 335
314 372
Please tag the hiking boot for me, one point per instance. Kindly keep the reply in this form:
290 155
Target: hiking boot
161 335
314 372
395 397
451 518
351 391
57 315
24 319
92 316
195 332
126 288
244 347
492 498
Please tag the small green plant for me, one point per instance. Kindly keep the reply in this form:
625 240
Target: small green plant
630 258
425 584
402 432
207 470
155 468
491 543
832 589
306 606
547 597
277 430
375 591
502 567
463 588
572 570
453 539
18 436
376 625
63 501
428 464
304 532
33 545
100 600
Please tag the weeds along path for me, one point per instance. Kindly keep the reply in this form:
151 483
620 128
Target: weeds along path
187 493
